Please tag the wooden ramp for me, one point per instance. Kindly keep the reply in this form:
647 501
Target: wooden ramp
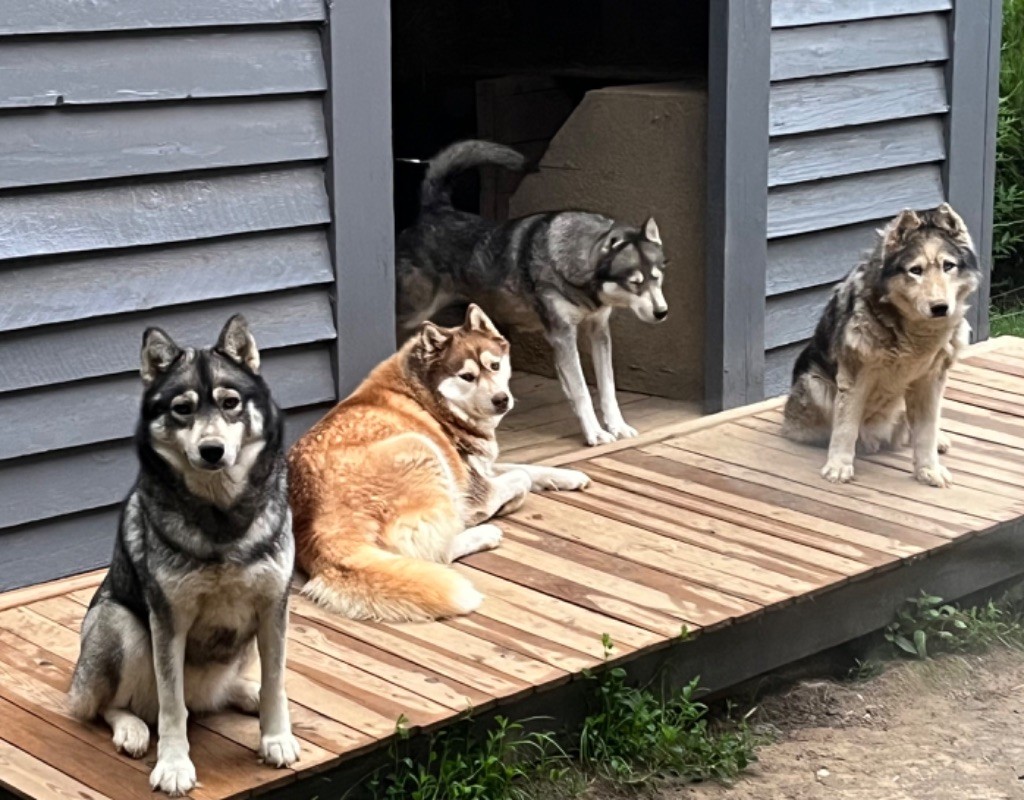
717 525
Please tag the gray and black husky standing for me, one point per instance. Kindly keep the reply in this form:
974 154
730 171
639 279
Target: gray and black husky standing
201 564
564 271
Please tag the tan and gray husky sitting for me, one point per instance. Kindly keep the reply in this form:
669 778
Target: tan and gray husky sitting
876 368
399 479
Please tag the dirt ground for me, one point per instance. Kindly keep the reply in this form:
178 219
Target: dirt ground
950 729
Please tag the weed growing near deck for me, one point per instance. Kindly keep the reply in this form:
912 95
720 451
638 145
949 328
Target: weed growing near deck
633 736
1008 229
928 626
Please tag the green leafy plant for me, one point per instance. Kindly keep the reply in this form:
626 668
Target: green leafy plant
635 735
1008 227
927 625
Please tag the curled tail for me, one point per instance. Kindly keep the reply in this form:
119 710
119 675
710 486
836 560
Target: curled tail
378 585
437 189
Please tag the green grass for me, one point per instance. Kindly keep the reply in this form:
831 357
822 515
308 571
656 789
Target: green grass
1008 229
633 736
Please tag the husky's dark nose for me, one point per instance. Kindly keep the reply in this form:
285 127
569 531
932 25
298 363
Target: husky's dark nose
661 313
500 401
939 309
211 453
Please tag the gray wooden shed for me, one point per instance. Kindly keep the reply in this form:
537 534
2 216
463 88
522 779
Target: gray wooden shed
172 163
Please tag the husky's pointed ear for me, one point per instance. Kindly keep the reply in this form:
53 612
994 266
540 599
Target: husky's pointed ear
432 339
238 344
158 353
477 320
651 232
951 222
897 231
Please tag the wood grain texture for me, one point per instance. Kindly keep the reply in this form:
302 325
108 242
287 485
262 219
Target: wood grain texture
863 45
59 16
88 478
90 69
110 345
813 104
133 141
67 289
843 201
152 212
792 317
828 256
787 13
105 409
811 157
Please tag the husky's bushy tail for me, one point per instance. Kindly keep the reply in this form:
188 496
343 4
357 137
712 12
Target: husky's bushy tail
379 585
436 191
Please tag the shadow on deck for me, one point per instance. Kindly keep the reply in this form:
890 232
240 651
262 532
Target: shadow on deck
716 524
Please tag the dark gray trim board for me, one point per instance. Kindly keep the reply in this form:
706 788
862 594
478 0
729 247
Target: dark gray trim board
738 89
972 78
358 103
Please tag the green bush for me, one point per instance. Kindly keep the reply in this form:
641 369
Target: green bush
1008 232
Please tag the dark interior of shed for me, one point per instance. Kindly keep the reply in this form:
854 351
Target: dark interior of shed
441 49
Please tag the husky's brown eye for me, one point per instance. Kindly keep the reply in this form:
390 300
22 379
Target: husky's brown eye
468 377
182 409
230 403
916 271
949 266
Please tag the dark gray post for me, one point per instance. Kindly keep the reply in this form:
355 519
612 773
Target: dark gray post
738 84
972 79
357 48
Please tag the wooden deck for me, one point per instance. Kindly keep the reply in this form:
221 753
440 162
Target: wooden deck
717 524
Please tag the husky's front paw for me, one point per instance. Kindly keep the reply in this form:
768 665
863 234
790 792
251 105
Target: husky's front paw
837 472
173 775
279 749
598 436
620 430
131 736
934 475
567 480
944 442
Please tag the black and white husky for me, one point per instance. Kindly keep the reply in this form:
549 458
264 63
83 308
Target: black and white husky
201 564
565 270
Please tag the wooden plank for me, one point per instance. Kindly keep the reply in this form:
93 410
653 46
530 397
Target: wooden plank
743 539
109 346
30 777
106 408
527 642
153 212
66 289
586 624
844 201
88 478
855 501
786 13
800 262
844 541
997 364
359 181
484 680
968 372
86 70
993 403
130 141
639 585
399 672
813 104
791 318
852 46
800 462
738 115
59 16
87 581
849 151
734 578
